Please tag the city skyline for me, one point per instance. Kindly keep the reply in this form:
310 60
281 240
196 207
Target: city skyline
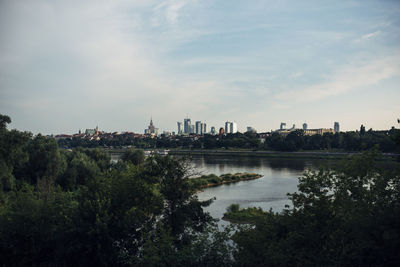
69 65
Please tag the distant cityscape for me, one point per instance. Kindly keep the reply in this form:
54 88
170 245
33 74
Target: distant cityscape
186 128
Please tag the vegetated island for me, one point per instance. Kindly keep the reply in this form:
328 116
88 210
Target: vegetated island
212 180
235 214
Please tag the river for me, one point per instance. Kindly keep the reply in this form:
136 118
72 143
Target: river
280 176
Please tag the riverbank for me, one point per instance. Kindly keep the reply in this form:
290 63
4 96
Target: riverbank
278 154
212 180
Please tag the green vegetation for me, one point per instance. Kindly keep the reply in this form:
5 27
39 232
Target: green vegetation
211 180
344 217
237 215
76 208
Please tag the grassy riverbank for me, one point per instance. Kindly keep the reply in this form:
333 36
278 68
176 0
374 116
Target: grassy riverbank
212 180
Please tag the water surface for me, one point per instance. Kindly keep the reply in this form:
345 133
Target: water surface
280 176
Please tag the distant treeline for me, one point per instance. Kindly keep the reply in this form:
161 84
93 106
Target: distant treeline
294 141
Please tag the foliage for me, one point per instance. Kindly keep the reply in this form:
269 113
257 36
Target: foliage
237 215
134 156
214 180
74 208
344 217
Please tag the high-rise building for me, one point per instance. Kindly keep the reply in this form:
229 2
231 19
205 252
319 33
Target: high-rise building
151 129
336 127
198 127
191 128
227 127
283 126
179 127
186 126
305 126
203 128
233 127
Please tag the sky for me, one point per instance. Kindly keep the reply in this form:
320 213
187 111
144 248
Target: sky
70 65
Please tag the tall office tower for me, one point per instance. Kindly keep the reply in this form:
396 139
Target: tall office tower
203 128
305 126
179 127
191 128
198 127
283 126
227 127
186 126
233 127
213 132
336 127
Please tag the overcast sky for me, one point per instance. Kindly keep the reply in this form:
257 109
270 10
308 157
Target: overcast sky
70 65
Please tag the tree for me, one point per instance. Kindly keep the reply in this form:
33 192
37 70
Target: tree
4 120
45 160
344 217
134 156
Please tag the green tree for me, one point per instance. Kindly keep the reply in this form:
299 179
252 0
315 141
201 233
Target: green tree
134 156
4 120
45 160
344 217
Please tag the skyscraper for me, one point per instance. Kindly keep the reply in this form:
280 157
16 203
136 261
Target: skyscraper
198 127
233 127
336 127
186 126
203 128
305 126
179 127
227 127
151 129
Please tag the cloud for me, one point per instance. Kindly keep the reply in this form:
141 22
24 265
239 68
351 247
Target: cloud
371 35
351 77
168 10
368 36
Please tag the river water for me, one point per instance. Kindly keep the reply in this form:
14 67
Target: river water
280 176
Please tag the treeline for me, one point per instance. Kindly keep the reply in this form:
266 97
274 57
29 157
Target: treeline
294 141
347 141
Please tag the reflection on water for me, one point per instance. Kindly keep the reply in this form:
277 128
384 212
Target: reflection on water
280 176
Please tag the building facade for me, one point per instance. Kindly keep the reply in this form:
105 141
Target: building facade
336 127
186 126
179 127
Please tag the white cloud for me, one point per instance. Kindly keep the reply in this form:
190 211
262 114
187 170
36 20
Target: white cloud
368 36
349 78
